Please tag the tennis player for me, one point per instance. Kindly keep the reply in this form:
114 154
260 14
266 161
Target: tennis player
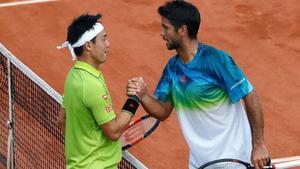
207 89
92 129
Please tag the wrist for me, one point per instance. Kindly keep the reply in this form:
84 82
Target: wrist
142 97
136 98
131 105
257 143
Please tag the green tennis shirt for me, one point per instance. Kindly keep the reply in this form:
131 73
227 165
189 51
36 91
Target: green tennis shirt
88 105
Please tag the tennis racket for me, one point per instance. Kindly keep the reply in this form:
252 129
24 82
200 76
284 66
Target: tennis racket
238 164
138 130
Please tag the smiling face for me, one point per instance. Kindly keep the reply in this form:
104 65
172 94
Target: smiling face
170 34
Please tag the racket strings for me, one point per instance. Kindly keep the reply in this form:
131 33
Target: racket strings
134 133
137 131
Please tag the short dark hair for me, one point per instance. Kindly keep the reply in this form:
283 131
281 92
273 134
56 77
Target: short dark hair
179 13
80 25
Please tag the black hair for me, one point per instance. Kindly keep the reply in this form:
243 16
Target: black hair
179 13
80 25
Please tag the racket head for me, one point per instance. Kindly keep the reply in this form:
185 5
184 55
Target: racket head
226 163
138 130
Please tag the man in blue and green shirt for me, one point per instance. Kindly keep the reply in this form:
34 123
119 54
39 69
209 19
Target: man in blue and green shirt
206 88
92 129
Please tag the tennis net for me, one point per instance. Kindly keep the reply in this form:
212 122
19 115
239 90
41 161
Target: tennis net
32 106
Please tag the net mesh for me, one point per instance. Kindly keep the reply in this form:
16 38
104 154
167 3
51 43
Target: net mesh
37 139
3 111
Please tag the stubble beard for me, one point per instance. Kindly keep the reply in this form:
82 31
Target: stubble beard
172 45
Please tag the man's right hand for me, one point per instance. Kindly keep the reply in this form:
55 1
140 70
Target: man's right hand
136 86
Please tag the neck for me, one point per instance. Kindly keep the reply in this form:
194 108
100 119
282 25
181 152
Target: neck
188 50
88 60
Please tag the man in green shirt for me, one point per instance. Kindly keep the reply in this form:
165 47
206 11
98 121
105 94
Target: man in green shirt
92 129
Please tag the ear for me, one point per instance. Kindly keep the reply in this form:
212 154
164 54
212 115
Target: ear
87 46
183 30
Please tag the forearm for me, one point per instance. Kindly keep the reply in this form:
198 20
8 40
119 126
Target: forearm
119 124
259 154
255 117
116 127
156 108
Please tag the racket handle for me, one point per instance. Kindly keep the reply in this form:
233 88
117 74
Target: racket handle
131 105
269 163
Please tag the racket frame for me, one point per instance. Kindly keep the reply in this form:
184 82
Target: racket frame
146 134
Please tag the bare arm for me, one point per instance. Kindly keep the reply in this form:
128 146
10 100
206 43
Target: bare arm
160 110
61 121
114 128
254 111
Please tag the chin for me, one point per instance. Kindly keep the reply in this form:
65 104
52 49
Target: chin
170 47
104 60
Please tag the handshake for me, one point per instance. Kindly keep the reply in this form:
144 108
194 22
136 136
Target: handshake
136 89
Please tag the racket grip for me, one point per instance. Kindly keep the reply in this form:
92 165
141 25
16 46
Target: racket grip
131 105
269 163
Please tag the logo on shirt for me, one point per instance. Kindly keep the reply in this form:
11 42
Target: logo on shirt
105 97
108 108
238 83
183 79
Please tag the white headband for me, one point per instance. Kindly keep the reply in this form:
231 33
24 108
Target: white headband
87 36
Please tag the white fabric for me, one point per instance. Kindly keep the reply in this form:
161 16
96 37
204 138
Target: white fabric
217 133
87 36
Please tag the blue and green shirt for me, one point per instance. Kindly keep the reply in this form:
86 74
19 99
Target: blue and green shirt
207 94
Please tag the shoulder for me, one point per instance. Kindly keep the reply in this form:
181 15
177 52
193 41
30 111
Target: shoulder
73 86
214 55
170 64
74 79
172 60
81 79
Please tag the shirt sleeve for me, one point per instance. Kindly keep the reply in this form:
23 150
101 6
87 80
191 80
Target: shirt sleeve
163 88
230 77
98 101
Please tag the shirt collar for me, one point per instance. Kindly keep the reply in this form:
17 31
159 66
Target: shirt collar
87 67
